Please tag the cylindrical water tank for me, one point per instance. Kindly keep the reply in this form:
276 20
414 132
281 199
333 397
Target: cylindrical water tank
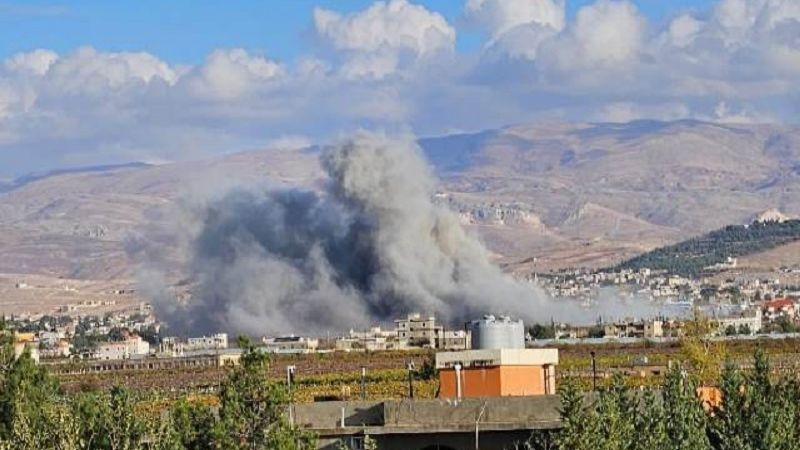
497 332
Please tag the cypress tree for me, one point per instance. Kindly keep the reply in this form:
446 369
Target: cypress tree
685 417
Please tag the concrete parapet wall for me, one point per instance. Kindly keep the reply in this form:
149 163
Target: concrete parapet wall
510 411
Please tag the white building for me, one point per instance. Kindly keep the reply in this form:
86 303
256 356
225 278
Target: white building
217 341
132 346
749 321
290 344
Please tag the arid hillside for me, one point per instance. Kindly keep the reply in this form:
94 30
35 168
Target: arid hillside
564 194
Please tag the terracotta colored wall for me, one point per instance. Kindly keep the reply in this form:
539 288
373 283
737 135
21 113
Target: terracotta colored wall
522 380
493 381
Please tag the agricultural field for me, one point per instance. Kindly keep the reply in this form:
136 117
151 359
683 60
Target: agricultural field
338 375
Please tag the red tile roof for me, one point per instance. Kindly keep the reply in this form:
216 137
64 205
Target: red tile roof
779 303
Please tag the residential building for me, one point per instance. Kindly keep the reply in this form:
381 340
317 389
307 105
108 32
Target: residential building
452 340
780 307
751 321
214 342
290 344
635 328
26 342
418 330
131 346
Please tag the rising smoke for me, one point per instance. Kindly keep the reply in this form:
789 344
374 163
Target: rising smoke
371 247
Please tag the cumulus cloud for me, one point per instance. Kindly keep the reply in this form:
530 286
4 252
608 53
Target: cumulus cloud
500 16
395 65
228 74
607 33
683 30
90 71
36 62
379 40
517 27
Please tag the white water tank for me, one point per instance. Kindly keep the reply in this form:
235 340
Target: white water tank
497 332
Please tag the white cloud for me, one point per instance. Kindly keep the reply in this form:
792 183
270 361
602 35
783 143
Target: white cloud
500 16
394 65
517 27
683 30
396 24
228 74
608 32
36 62
379 40
114 70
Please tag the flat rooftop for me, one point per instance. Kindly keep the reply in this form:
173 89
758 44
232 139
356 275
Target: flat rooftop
498 357
428 416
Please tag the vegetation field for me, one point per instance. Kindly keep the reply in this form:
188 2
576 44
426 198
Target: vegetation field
338 375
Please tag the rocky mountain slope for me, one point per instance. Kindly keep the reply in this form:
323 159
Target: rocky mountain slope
567 194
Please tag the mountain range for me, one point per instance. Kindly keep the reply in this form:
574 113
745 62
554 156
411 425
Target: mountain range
550 195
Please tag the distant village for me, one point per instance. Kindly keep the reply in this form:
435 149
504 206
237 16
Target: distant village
737 307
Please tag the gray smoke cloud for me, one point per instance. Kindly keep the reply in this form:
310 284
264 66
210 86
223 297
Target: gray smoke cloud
372 246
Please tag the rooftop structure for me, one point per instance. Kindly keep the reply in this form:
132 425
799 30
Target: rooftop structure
416 424
290 344
497 373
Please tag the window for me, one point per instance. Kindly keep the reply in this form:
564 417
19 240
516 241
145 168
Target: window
357 443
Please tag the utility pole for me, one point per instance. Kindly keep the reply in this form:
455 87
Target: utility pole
363 383
594 371
410 367
290 377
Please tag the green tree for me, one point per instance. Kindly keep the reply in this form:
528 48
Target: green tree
650 423
772 422
579 424
252 409
685 417
26 393
616 409
728 425
193 424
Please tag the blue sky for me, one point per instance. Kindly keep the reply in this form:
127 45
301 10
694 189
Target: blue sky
185 31
101 82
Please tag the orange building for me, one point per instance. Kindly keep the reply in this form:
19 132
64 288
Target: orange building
497 373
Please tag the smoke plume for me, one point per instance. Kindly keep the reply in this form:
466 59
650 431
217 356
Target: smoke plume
371 247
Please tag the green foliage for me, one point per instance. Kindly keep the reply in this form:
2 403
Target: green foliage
251 414
650 423
615 408
34 415
579 423
685 417
689 258
193 424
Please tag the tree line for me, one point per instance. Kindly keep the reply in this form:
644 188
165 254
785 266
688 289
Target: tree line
691 257
742 411
35 414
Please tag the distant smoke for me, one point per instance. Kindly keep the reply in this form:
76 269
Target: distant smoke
370 248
